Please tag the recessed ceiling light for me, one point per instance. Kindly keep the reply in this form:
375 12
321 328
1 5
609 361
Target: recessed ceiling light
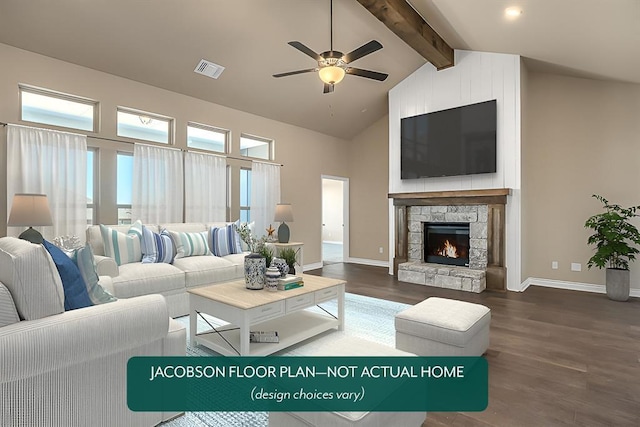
513 12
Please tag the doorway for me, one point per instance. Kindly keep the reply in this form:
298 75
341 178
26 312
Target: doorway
335 216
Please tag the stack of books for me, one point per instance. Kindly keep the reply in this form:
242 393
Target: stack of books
290 282
263 336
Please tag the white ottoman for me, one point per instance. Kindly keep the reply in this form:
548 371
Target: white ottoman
444 327
346 346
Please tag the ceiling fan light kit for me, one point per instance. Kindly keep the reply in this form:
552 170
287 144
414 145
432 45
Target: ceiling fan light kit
332 64
331 74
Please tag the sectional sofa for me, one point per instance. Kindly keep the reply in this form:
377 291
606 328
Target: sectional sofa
168 279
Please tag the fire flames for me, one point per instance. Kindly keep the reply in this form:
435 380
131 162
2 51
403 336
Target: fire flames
448 250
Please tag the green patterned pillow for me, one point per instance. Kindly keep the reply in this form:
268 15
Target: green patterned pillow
190 244
123 248
83 257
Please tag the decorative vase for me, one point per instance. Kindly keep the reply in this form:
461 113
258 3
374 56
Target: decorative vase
255 266
617 284
281 265
272 278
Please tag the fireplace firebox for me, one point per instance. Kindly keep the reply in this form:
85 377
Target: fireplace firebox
446 243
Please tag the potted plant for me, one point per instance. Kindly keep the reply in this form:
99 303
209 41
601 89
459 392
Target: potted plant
266 252
289 255
615 239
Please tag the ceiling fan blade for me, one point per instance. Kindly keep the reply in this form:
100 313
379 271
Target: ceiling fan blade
302 48
292 73
328 88
363 50
367 73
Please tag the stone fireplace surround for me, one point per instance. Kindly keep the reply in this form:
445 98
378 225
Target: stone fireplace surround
476 216
416 270
485 212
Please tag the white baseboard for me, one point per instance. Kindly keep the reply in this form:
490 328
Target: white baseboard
573 286
363 261
313 266
372 262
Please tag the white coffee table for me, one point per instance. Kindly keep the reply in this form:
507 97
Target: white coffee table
259 310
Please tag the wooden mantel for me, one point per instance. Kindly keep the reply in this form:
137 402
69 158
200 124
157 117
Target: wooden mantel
493 196
495 199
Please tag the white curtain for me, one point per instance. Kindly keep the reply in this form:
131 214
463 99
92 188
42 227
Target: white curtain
265 195
205 187
52 163
157 195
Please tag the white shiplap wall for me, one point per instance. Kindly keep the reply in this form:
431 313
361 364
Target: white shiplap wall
476 77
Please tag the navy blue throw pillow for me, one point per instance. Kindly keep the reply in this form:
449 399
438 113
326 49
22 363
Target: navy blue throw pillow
75 291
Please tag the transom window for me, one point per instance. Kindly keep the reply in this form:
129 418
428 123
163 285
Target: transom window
146 126
58 109
255 146
206 137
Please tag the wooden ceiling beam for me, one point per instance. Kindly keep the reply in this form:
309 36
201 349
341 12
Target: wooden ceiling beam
407 24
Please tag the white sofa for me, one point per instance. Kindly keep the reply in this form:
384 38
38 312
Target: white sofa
169 280
68 368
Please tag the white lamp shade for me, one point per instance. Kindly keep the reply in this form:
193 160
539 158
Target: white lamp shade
28 210
284 212
331 74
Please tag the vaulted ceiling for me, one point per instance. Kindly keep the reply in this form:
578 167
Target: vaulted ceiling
160 42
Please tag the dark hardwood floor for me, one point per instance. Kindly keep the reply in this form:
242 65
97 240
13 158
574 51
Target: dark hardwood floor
556 357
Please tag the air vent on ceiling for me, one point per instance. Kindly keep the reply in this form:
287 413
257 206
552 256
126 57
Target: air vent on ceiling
209 69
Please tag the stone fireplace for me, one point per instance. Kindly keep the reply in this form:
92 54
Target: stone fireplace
451 239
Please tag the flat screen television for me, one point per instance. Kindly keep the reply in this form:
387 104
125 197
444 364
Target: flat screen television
458 141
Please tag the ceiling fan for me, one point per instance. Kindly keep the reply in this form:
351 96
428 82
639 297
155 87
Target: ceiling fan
333 65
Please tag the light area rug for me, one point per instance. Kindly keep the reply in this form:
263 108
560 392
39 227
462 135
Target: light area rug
367 318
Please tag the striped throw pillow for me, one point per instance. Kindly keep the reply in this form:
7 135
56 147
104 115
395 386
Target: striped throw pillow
123 248
224 240
83 257
156 247
190 244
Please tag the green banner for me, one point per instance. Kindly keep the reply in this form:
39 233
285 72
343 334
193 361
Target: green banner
287 383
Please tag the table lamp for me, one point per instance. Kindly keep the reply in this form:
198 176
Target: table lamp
284 212
29 210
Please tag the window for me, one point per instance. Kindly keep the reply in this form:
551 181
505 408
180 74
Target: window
245 195
58 109
124 187
91 181
254 146
206 137
145 126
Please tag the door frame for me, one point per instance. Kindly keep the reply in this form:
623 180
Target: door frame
345 215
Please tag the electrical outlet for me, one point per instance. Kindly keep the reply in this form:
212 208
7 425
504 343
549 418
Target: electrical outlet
554 265
381 249
576 266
